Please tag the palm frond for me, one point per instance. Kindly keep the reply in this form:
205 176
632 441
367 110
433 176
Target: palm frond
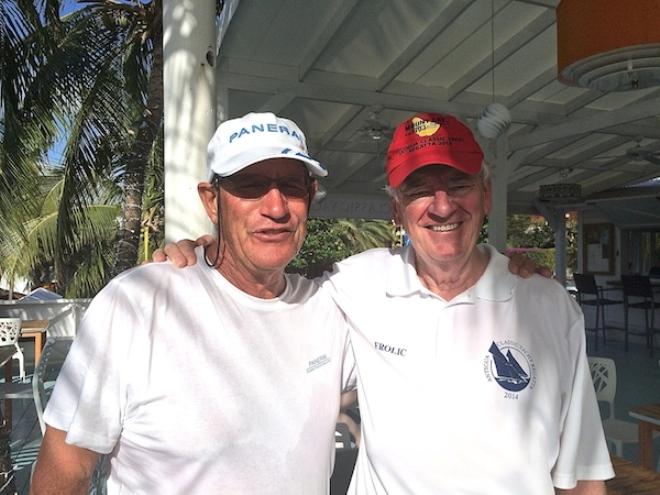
361 235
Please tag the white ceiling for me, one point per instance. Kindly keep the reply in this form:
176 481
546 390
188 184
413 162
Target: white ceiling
331 64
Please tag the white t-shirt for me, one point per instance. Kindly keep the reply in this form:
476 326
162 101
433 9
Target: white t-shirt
489 393
197 387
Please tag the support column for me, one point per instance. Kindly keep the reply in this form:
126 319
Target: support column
189 39
497 220
560 246
556 219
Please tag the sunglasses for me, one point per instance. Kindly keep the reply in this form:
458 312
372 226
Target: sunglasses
248 186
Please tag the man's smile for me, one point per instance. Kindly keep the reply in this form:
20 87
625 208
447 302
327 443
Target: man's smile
445 227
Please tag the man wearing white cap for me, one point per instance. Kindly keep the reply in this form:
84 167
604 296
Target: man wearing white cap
470 380
221 378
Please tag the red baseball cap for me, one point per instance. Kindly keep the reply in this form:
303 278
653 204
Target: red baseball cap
431 139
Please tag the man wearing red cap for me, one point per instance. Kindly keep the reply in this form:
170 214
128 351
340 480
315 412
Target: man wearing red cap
470 379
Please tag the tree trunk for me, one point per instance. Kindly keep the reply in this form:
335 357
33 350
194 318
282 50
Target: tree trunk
129 232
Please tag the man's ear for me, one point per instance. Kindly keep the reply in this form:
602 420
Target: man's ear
313 189
397 214
209 196
488 197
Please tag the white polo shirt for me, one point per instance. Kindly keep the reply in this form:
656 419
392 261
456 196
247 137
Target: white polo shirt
487 393
196 387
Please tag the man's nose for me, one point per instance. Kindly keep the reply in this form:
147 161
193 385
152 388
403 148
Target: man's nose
274 203
441 204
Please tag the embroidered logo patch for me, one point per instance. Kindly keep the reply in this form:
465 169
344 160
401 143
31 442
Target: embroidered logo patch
510 365
425 127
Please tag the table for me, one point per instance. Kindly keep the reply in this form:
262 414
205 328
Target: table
34 329
632 479
649 420
618 284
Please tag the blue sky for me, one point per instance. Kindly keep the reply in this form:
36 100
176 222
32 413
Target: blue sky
54 155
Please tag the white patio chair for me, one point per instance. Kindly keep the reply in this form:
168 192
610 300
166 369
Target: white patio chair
617 431
45 374
10 331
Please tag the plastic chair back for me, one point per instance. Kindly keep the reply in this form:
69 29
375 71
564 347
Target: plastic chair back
63 324
603 374
585 284
10 330
52 359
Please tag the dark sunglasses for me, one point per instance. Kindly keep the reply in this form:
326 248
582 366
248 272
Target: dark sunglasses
255 186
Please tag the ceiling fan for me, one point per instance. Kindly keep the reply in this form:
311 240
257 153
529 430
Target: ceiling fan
375 129
638 153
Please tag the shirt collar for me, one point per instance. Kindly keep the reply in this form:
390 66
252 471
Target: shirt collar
496 284
402 279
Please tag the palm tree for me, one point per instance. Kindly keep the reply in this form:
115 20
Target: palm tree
101 86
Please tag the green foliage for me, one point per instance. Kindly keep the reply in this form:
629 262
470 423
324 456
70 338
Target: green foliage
30 250
329 241
528 231
543 257
535 234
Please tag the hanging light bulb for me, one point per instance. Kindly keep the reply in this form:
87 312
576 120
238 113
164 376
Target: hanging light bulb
495 118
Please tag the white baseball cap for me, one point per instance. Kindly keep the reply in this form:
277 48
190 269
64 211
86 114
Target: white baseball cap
239 143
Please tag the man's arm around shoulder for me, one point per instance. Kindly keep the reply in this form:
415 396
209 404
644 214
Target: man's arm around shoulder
62 468
585 487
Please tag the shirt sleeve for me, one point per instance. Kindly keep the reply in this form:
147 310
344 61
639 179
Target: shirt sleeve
349 372
89 398
583 453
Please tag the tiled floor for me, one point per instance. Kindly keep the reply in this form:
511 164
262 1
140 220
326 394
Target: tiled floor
638 377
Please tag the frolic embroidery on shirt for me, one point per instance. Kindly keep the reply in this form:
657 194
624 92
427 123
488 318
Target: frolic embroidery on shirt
397 351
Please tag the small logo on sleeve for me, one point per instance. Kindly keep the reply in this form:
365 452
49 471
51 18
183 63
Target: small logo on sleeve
317 362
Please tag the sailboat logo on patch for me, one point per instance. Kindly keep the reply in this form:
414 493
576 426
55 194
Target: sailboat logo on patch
510 365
